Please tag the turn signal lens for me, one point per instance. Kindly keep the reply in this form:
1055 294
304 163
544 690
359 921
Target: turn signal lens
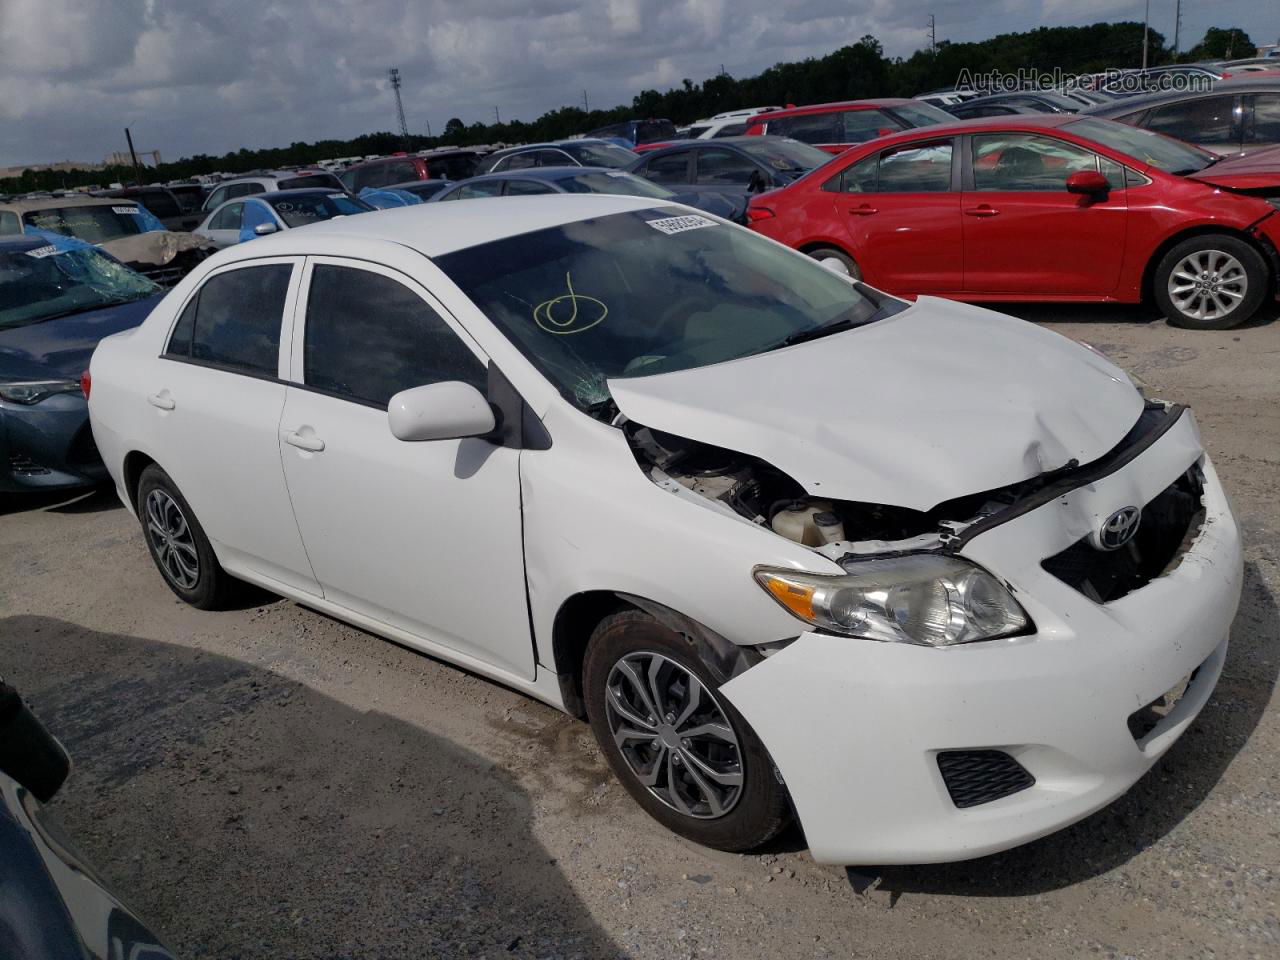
926 599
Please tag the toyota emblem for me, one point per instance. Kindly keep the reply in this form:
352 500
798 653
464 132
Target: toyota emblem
1118 529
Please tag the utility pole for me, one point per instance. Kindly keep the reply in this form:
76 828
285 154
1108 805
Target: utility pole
137 171
496 119
585 107
1177 25
1146 20
933 35
395 86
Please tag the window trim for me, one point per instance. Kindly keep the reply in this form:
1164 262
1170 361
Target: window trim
284 350
957 169
293 375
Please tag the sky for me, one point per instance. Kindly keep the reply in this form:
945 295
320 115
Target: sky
209 76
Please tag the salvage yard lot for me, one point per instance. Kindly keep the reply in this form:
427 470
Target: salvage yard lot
268 782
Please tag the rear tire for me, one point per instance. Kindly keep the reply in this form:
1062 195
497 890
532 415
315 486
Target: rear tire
178 544
837 260
1210 282
677 745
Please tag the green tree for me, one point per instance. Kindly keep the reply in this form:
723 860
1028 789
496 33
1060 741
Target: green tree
1222 44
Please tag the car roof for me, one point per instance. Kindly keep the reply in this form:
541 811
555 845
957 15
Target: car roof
836 105
436 229
49 203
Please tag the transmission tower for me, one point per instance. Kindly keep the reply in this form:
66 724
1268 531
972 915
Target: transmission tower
933 35
395 85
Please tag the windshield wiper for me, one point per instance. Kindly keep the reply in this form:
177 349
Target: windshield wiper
85 308
815 333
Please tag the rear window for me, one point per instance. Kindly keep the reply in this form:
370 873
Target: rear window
159 202
317 180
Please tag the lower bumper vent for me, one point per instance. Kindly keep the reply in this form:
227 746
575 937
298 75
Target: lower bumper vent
975 777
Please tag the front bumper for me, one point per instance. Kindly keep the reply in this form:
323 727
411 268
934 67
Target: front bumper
47 446
855 726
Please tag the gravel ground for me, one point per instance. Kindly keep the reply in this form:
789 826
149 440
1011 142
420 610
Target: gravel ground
268 782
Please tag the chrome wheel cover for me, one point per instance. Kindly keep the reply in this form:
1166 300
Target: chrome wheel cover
1208 285
673 735
171 540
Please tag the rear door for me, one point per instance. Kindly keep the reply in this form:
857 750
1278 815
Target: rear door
215 398
900 209
1024 233
425 537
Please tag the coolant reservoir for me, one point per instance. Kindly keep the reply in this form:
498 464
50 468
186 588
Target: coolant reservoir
796 521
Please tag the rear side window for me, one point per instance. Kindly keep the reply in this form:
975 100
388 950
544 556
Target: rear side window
234 320
859 126
914 168
9 223
1207 120
669 168
1265 126
809 128
368 337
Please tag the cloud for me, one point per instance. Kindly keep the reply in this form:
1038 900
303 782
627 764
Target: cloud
210 76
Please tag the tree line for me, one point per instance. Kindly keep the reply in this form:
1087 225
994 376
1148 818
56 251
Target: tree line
859 70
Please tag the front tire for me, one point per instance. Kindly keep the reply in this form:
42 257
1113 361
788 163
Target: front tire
1210 282
677 745
178 544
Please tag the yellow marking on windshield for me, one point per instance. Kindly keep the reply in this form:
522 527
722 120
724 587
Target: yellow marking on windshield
545 313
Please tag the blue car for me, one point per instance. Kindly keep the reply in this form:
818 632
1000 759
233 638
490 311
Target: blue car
58 298
534 180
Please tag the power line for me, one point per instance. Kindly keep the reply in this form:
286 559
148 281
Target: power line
395 86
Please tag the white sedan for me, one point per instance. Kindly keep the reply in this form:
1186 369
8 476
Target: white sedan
248 217
936 580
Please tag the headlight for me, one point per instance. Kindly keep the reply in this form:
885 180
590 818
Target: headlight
920 598
33 391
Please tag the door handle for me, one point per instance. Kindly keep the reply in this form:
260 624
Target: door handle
161 400
982 211
312 444
863 211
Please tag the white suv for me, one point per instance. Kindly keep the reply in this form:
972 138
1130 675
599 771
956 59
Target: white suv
937 580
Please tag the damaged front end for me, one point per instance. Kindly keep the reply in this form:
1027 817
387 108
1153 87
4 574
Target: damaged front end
891 548
162 256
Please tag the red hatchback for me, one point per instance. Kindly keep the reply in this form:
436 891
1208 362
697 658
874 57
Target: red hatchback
1043 208
835 127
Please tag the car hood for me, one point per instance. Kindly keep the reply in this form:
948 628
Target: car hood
60 348
154 248
1251 171
939 401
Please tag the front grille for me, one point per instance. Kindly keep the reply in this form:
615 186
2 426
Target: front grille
21 466
1169 525
974 777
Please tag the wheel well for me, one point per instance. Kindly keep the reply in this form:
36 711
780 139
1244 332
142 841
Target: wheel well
574 623
1148 275
134 463
814 247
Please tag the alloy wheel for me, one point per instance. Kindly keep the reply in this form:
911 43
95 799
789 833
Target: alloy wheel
171 539
1208 284
674 735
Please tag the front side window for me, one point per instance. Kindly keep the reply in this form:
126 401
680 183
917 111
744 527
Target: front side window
1206 120
723 168
233 321
1023 162
554 158
601 154
228 218
481 188
1265 126
518 161
646 292
368 337
808 128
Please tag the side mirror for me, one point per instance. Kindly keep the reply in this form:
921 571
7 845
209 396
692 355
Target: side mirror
1088 182
28 752
440 411
263 229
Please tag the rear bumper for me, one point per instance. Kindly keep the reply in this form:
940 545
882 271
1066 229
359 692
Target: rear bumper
855 727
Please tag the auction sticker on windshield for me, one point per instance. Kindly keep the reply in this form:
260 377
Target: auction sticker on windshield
680 224
133 210
41 252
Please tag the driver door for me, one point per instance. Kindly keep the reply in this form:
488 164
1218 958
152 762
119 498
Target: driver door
426 536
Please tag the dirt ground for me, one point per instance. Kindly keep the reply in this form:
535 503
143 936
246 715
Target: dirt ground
268 782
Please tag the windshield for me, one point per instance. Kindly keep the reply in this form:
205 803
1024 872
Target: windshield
302 208
43 283
920 114
624 183
645 292
92 224
785 154
1145 146
600 154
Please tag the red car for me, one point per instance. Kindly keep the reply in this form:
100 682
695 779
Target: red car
835 127
1047 207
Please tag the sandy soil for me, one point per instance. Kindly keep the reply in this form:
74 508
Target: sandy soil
267 782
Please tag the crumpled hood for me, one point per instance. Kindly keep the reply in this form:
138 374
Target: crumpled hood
1252 171
156 247
60 348
939 401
